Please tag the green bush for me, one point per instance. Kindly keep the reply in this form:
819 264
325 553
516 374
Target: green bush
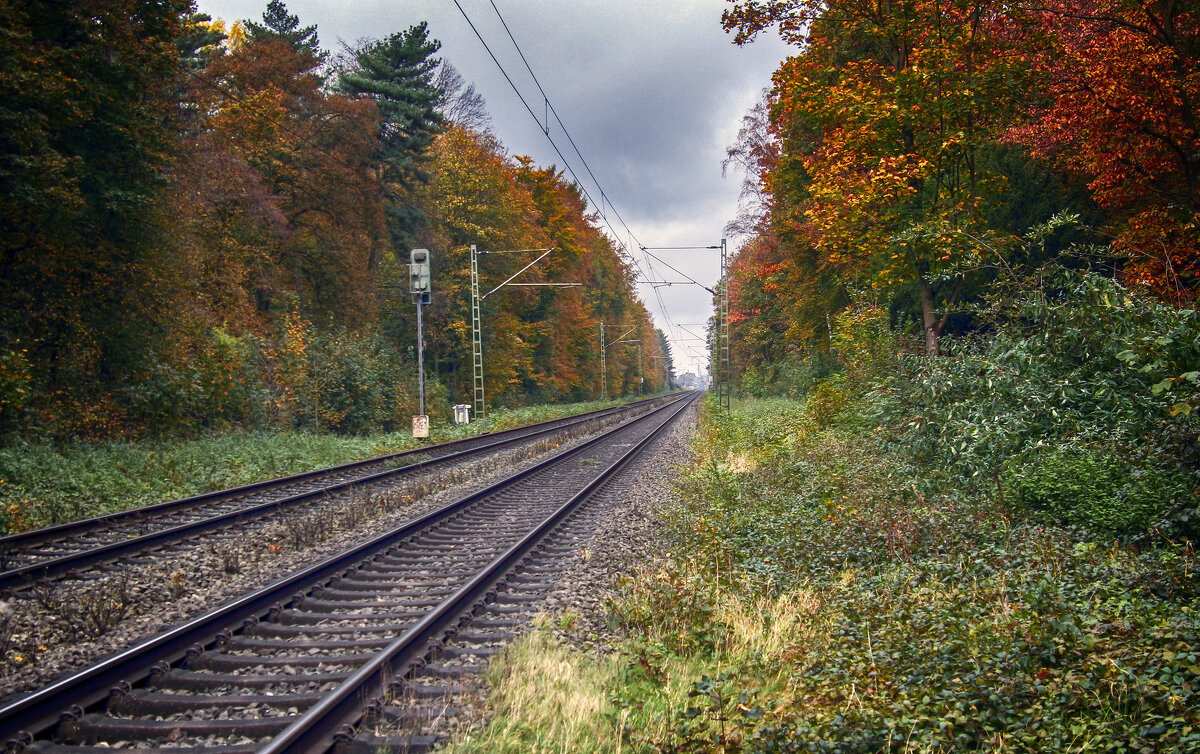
217 384
356 383
15 386
796 374
1097 489
865 345
1079 365
828 399
752 382
918 622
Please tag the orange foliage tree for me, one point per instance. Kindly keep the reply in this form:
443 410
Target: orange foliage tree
473 197
540 343
882 116
1118 105
204 230
85 112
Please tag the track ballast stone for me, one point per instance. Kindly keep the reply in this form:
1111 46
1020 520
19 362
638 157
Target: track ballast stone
166 588
626 530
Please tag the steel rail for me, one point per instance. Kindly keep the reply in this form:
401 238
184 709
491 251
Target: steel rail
319 727
26 576
74 528
21 721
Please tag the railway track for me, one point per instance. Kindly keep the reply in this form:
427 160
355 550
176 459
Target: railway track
58 551
341 654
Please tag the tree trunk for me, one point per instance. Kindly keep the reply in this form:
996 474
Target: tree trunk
929 316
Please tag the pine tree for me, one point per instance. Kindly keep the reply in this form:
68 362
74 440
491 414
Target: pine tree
279 24
397 74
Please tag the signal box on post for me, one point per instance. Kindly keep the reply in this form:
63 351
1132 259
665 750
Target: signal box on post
418 274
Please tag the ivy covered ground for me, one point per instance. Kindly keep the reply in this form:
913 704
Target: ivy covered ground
987 551
822 603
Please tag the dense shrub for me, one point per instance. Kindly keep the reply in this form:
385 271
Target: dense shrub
215 384
937 554
15 384
794 376
300 378
1084 377
926 622
1098 488
355 384
865 345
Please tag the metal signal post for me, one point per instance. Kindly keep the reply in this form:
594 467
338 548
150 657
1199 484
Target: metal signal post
725 384
419 284
476 338
603 366
476 319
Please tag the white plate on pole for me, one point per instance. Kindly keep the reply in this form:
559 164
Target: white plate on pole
420 426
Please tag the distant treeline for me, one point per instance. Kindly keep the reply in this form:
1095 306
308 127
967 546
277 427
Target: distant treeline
205 226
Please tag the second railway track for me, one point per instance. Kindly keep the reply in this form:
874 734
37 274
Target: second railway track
66 549
318 657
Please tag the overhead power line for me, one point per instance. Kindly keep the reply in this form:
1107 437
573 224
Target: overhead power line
532 114
549 108
546 128
605 202
546 131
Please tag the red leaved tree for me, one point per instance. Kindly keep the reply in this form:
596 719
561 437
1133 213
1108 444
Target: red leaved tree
1121 86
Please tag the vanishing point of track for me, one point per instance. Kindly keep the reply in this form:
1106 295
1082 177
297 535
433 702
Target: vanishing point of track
335 656
58 551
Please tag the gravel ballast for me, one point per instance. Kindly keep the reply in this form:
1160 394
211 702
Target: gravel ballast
631 533
628 532
56 629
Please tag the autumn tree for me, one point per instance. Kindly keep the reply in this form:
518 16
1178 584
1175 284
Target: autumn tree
474 197
754 155
1117 104
781 292
539 343
85 106
566 354
200 230
882 116
295 212
664 362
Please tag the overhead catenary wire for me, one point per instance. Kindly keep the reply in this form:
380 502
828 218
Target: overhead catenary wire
566 132
605 202
532 114
566 164
529 108
549 108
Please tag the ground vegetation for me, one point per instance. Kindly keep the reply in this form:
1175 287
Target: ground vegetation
42 484
906 559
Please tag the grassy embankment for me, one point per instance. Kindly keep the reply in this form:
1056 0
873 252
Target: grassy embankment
43 484
815 601
840 581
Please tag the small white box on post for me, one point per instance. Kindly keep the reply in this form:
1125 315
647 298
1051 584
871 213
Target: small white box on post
462 413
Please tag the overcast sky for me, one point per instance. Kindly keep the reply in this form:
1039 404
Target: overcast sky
651 91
